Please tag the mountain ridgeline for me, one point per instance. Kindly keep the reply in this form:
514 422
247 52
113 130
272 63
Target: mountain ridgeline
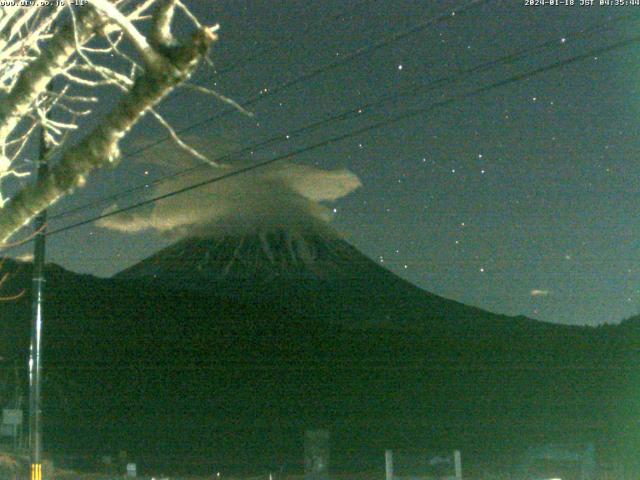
218 352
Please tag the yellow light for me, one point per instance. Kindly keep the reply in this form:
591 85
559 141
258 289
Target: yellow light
36 471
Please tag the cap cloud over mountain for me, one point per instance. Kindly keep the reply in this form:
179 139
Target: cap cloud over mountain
275 195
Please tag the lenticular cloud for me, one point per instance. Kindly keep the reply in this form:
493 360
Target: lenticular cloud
275 196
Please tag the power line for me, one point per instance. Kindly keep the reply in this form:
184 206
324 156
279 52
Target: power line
324 69
357 111
395 119
261 52
306 76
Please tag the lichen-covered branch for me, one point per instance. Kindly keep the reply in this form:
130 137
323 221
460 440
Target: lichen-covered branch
34 78
100 146
149 55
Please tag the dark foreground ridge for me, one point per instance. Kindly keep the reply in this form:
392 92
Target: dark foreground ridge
219 352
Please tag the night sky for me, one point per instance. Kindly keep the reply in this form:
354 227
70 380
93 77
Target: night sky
520 200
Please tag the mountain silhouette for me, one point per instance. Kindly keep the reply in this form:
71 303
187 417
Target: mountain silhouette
218 352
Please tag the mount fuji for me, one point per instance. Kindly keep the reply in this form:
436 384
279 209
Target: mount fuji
236 343
312 252
310 268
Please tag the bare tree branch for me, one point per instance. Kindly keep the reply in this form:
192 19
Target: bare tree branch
100 146
181 143
34 79
219 96
88 50
152 59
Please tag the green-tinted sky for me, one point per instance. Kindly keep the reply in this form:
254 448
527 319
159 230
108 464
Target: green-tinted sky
522 200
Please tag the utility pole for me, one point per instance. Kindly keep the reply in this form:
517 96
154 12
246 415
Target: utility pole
37 300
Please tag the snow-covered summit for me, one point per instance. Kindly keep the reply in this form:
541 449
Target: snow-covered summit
311 251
